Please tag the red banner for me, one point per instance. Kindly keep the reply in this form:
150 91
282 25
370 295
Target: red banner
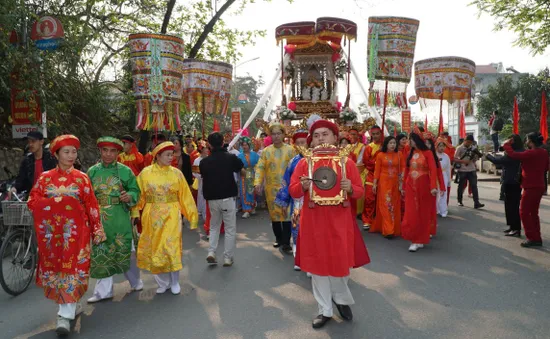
406 120
235 120
25 107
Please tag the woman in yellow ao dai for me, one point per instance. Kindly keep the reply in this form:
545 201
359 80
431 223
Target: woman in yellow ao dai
165 195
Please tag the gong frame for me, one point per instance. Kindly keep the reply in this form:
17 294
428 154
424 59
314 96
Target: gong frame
337 156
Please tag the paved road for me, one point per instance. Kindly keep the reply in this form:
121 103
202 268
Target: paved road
471 282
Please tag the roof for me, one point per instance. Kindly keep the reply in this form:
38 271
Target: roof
485 69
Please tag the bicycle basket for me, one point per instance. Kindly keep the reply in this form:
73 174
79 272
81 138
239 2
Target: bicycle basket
16 213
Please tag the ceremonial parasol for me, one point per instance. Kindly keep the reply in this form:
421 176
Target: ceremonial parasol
444 78
391 45
156 61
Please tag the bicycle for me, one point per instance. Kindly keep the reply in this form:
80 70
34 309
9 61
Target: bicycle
18 253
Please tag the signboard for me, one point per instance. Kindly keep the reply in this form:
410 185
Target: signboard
25 107
406 120
47 32
235 120
20 131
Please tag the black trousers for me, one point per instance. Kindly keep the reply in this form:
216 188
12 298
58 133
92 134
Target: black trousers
496 144
471 177
282 231
512 199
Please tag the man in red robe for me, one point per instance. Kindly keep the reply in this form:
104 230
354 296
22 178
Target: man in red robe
130 155
329 241
155 140
369 160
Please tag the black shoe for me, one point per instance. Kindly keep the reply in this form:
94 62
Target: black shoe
276 245
501 198
460 204
320 321
286 249
389 236
513 234
530 243
345 311
508 230
478 206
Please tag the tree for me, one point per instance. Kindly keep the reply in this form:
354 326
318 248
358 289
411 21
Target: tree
86 83
528 90
529 19
249 87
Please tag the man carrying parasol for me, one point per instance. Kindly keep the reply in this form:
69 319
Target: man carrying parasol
369 160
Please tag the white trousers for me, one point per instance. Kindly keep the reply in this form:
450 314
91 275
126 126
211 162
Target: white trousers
67 311
326 289
104 287
223 210
167 280
442 208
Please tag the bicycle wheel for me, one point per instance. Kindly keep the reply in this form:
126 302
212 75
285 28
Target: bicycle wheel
18 262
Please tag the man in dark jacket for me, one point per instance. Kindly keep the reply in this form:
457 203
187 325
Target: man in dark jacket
34 163
511 186
220 190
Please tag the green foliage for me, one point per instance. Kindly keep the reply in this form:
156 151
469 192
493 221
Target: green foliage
528 90
527 18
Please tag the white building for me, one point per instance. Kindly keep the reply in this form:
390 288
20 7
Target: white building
486 75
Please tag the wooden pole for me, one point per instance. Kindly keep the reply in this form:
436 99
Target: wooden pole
349 75
283 76
384 108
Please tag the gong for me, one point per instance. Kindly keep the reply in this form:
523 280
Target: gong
324 178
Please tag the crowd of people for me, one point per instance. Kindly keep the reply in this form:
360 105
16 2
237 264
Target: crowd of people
125 214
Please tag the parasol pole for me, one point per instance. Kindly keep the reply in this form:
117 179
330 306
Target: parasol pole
349 73
440 114
283 98
385 106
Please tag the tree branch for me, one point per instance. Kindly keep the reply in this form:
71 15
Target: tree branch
105 62
167 15
208 28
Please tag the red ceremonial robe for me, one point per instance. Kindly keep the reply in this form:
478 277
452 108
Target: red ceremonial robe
329 241
420 205
66 217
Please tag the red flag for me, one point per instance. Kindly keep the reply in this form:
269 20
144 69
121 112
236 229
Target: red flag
441 129
543 118
426 123
462 127
395 130
216 127
515 116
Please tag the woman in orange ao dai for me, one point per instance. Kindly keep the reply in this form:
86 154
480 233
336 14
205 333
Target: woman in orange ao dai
387 185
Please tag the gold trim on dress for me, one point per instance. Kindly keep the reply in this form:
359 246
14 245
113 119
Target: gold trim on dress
162 199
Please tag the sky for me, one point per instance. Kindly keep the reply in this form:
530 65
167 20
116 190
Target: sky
447 28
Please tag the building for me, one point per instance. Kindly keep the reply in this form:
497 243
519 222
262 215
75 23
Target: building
486 75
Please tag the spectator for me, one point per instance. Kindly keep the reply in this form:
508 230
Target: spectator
466 155
220 191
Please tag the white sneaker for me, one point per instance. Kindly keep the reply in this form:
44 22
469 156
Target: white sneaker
63 326
431 236
297 268
308 275
420 246
161 290
253 212
139 286
413 248
246 215
95 299
175 289
227 262
444 215
366 227
211 258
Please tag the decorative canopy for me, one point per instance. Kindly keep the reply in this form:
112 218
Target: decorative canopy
307 34
444 78
391 45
